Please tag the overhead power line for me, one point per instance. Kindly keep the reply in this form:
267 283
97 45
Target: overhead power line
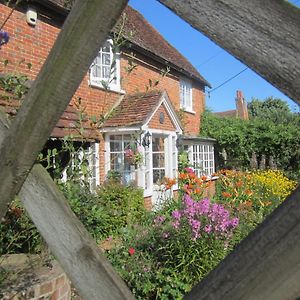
226 81
210 58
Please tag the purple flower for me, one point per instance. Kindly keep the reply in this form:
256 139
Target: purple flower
208 228
4 37
176 224
159 220
176 214
166 235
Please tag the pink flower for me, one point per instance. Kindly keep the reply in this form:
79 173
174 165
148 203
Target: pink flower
128 153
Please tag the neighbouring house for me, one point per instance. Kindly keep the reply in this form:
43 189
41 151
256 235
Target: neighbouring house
241 110
147 95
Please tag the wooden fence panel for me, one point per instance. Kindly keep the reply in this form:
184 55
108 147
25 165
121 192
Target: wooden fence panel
69 241
85 29
265 265
264 34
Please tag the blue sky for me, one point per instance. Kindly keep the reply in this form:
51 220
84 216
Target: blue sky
213 63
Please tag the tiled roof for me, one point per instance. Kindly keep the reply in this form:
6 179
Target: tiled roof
140 32
227 113
68 123
134 109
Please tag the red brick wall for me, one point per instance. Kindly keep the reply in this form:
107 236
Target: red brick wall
46 284
31 45
166 125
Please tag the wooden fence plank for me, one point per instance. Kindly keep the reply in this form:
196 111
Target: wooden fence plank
266 265
84 31
265 35
79 256
67 238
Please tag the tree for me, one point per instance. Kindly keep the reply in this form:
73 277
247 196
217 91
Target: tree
273 132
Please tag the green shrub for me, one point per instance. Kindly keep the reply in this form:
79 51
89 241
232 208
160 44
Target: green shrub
108 211
125 204
175 249
18 233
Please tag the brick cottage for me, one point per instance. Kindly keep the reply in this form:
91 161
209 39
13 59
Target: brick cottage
148 97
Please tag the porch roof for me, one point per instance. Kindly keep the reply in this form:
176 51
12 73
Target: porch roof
68 124
134 110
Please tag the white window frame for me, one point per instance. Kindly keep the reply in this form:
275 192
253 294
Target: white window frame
186 95
109 152
111 82
201 157
92 155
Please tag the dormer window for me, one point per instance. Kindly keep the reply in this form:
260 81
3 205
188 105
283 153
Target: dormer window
186 96
105 69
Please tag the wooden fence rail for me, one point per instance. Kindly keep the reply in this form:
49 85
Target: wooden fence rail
264 34
67 238
85 29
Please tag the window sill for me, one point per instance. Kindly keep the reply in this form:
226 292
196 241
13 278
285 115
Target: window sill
148 193
109 89
189 111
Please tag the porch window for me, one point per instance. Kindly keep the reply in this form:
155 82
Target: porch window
84 165
158 158
92 153
118 162
186 99
105 70
203 159
174 157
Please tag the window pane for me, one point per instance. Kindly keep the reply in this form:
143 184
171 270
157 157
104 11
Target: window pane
158 175
116 161
105 72
158 160
115 146
106 59
157 144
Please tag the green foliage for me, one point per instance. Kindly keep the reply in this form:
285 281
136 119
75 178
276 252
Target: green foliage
108 211
14 84
18 233
159 260
264 134
124 203
273 109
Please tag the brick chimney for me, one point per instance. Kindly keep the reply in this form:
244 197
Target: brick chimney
241 106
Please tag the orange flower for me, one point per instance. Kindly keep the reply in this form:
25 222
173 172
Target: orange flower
197 191
248 203
248 192
204 178
192 175
226 195
239 183
183 176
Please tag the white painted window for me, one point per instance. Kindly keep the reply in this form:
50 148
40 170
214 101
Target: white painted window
92 153
174 157
147 163
158 158
118 162
202 159
105 70
186 95
84 164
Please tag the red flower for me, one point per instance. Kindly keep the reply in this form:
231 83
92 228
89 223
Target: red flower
131 251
